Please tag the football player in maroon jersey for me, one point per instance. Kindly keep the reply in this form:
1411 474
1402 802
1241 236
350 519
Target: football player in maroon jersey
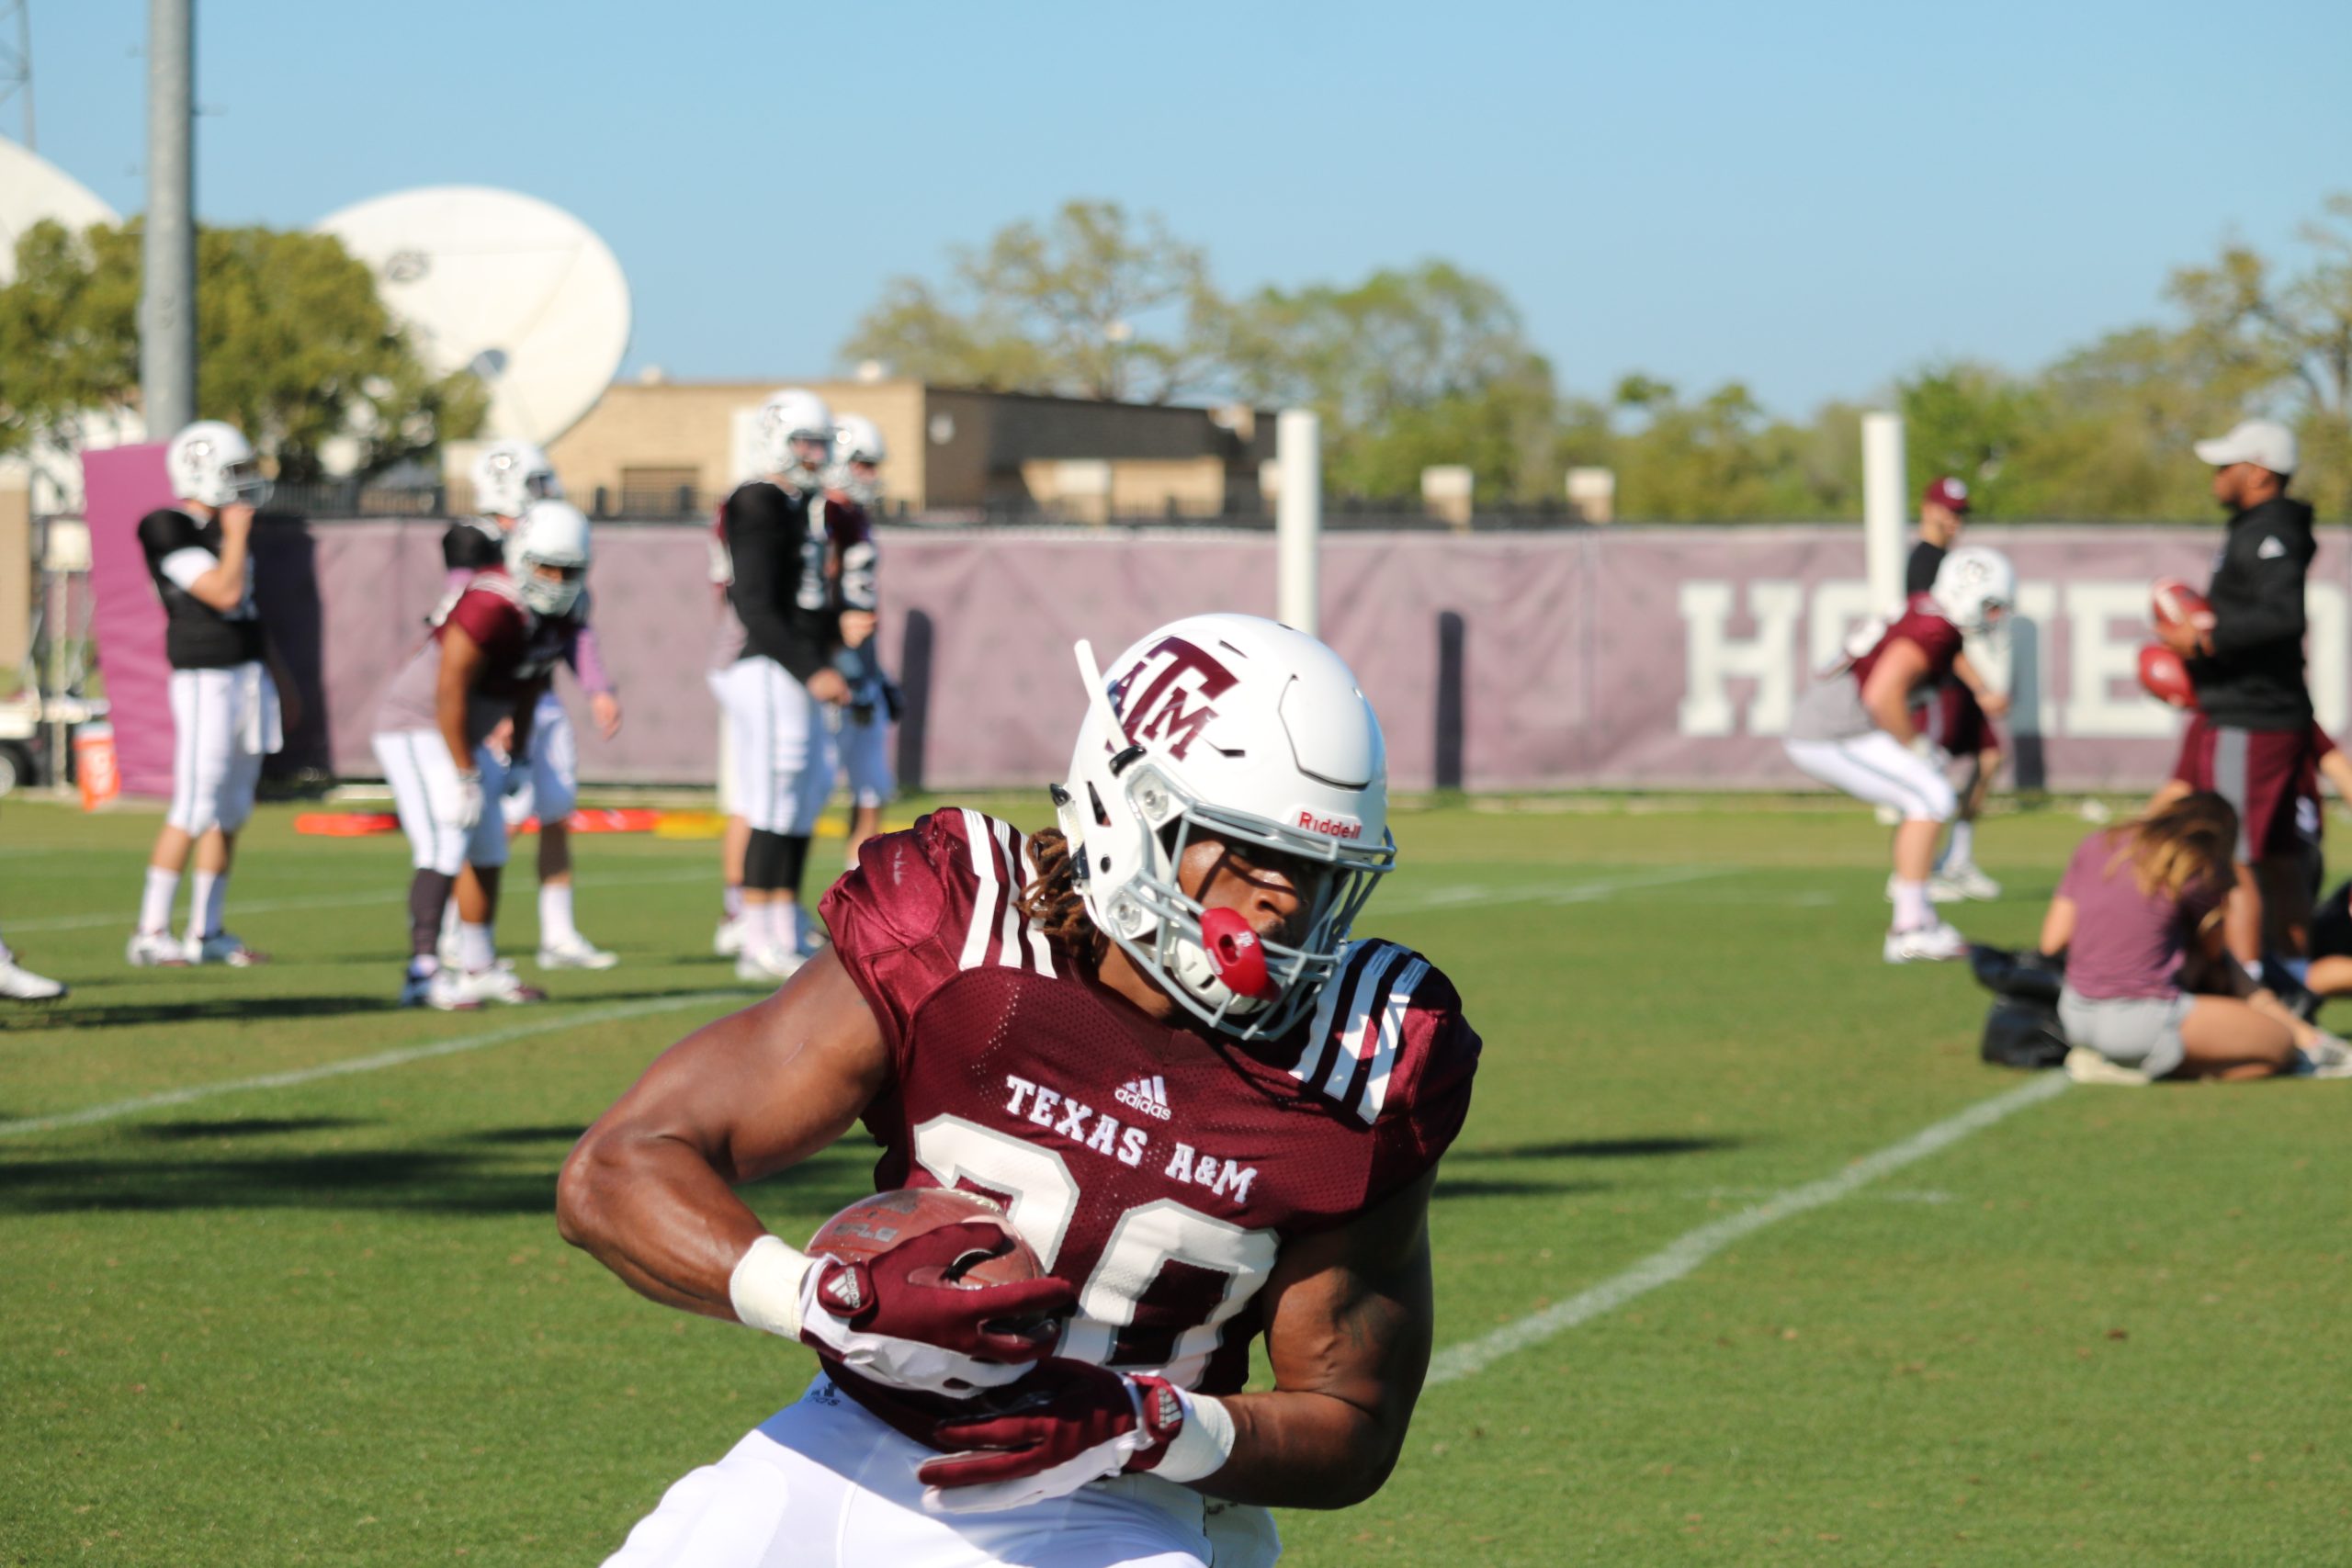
1147 1034
1852 729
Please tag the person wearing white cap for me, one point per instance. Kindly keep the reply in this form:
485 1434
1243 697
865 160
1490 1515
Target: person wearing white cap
2252 741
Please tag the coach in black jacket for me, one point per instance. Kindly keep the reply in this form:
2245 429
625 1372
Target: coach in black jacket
2252 738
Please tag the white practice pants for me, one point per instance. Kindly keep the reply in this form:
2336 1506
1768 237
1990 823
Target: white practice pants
550 787
223 723
423 777
780 746
823 1484
1880 769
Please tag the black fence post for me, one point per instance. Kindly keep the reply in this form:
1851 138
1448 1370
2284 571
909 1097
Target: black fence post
1451 637
914 691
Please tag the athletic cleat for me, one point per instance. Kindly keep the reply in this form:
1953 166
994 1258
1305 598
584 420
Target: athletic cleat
1966 880
578 952
499 982
2329 1058
443 990
155 950
769 964
728 940
1930 944
2087 1066
222 947
18 984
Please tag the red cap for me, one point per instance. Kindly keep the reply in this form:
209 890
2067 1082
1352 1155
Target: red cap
1946 492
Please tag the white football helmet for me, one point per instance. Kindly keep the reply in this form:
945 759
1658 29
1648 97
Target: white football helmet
1243 728
510 475
787 421
857 443
212 464
549 533
1976 588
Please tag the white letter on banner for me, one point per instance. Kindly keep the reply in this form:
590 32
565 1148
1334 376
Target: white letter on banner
2328 645
1837 609
2030 631
1711 657
2105 702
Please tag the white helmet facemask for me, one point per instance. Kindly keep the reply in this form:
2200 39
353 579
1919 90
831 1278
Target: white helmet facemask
549 534
510 475
793 436
1976 588
212 464
857 446
1247 731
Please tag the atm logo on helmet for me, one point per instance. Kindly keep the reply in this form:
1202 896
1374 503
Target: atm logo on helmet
1176 703
1331 827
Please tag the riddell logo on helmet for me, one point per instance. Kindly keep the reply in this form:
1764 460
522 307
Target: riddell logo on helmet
1331 827
1157 711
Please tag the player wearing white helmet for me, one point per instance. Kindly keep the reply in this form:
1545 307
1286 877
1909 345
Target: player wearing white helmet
508 476
483 668
225 702
772 672
1852 729
1214 1115
862 726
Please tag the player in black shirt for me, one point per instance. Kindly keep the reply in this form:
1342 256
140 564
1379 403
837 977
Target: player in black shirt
226 712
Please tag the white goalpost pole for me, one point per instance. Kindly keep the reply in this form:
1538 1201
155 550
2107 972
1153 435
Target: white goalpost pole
1882 491
1298 520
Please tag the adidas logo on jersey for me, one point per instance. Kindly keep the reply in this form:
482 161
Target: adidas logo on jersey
1147 1095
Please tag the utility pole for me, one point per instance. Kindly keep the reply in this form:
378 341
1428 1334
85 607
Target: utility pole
167 309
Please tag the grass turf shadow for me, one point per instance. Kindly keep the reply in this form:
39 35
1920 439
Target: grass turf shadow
206 1010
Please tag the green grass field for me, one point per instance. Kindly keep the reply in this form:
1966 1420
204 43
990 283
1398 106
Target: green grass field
330 1320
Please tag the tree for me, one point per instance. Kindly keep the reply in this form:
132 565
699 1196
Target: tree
293 346
1093 305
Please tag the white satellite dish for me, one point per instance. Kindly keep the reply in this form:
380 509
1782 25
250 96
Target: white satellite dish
522 293
33 188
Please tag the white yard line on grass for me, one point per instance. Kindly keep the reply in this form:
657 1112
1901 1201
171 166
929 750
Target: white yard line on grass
1679 1257
546 1023
1472 896
320 901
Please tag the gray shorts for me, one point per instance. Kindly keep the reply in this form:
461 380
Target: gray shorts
2140 1032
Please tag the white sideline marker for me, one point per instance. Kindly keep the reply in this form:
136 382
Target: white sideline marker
399 1057
1682 1255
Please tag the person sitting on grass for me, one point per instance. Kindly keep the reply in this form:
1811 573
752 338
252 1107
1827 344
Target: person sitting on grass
2136 900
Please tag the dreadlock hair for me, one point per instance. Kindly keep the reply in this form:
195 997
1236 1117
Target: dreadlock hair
2184 841
1053 903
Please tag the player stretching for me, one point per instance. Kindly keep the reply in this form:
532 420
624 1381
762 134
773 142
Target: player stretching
1214 1116
773 669
508 476
1962 708
1852 729
486 663
862 727
225 715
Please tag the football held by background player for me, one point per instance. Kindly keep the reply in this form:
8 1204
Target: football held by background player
1961 709
225 703
1212 1114
772 672
1852 729
484 665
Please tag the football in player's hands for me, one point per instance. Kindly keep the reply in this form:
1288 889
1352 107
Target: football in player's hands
2172 603
2165 677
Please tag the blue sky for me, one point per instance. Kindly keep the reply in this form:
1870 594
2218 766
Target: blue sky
1813 199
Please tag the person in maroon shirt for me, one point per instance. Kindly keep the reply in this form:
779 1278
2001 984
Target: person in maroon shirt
1214 1116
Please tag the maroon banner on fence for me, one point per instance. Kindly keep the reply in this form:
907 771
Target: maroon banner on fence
1629 658
121 486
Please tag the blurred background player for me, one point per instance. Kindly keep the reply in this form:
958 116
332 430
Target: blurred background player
773 671
485 664
508 476
2252 745
1960 712
1852 730
862 727
225 713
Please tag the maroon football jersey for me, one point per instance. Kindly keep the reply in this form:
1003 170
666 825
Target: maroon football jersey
1158 1170
520 650
1923 623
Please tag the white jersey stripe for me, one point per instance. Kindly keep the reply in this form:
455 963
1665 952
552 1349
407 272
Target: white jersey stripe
1392 1036
978 838
1360 1024
1039 948
1007 855
1319 1029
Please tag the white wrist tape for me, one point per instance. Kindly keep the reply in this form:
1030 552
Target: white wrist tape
765 1286
1203 1445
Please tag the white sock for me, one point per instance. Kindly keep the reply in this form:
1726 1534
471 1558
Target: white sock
155 904
1961 849
424 967
199 904
784 924
450 918
475 949
1912 909
555 914
730 900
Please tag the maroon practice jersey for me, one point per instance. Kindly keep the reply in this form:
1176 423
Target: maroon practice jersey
520 650
1156 1169
1923 623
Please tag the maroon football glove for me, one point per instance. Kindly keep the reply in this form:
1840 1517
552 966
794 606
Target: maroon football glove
1063 1425
904 1317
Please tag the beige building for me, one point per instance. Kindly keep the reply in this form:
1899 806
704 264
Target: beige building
651 444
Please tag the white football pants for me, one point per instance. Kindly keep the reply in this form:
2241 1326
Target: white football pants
1880 769
780 746
423 777
223 723
823 1484
551 785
